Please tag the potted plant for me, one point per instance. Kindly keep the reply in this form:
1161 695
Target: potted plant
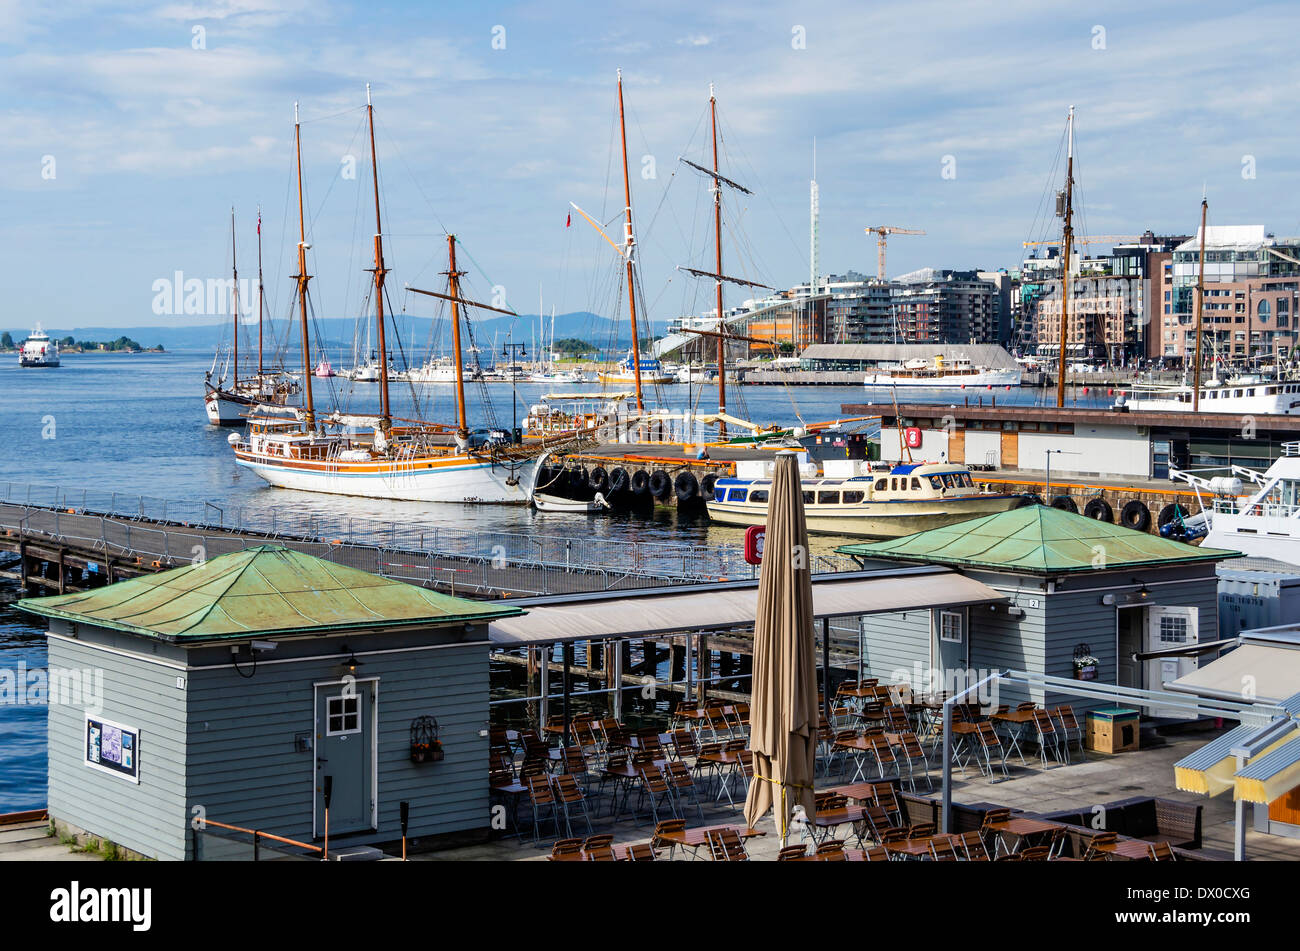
425 745
1085 666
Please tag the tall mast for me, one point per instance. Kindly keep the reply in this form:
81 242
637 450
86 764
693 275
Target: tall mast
717 236
379 272
814 212
261 295
453 290
1067 240
628 247
234 270
303 277
1200 310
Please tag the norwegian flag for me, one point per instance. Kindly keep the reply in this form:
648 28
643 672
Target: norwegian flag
568 219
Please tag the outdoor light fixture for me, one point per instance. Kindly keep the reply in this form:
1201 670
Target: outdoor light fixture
351 664
1108 599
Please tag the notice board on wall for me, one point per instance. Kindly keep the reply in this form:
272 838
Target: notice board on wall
113 748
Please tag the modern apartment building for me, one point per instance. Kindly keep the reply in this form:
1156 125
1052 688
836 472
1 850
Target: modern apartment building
1252 296
941 306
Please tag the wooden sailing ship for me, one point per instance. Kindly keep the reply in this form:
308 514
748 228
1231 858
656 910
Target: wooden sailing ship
381 456
229 405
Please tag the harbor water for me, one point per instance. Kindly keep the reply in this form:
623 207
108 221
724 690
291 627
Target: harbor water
134 424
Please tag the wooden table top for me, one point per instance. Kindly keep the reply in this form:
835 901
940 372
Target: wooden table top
861 742
631 770
1018 825
862 792
1128 848
915 847
829 818
723 757
1014 716
694 838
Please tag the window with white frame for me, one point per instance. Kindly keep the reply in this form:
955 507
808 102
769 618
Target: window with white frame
343 715
950 626
1173 630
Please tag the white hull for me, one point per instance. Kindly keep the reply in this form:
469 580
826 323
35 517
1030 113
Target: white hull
1278 404
472 481
553 503
223 411
946 380
868 520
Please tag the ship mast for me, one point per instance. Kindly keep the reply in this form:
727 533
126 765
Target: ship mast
628 245
302 277
234 290
261 295
1067 239
379 272
453 293
717 240
1200 310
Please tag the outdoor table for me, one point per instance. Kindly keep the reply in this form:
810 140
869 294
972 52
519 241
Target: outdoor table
515 791
827 820
860 746
1016 720
634 741
914 848
694 838
1021 828
625 776
723 758
859 792
850 855
1133 849
695 718
961 734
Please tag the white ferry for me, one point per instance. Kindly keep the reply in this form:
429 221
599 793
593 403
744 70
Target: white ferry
962 372
1261 522
39 350
908 498
1247 394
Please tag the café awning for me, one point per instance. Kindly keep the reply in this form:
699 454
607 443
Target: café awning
650 612
1265 673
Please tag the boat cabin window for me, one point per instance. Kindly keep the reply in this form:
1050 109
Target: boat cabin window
808 498
852 498
936 482
916 483
719 494
737 495
882 485
758 495
948 481
828 498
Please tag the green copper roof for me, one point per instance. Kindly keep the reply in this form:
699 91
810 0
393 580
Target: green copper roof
1037 539
258 592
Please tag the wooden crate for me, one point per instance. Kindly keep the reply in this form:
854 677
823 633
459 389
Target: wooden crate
1112 730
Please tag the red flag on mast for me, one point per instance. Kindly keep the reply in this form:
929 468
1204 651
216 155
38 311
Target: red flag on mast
568 219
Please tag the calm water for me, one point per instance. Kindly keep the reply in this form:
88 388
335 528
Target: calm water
135 424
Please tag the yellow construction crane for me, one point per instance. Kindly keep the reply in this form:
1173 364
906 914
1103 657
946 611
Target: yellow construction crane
881 231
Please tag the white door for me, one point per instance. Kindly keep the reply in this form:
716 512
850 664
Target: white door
1169 627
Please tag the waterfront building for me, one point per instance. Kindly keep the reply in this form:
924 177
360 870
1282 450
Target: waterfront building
1252 296
943 306
1076 588
239 689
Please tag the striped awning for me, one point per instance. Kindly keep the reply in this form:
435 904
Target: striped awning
1270 775
1209 770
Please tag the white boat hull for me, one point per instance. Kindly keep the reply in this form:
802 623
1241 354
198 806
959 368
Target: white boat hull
224 411
453 479
946 381
1281 404
874 520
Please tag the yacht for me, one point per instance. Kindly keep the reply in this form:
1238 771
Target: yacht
910 497
938 374
39 350
1247 394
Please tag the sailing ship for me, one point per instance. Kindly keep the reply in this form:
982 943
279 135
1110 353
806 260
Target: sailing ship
230 405
38 350
379 456
962 372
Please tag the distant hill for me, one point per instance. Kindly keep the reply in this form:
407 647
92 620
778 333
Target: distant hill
338 331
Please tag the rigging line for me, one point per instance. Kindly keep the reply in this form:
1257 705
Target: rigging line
415 181
762 189
332 115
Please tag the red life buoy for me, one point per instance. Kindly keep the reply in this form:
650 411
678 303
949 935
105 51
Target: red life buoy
913 436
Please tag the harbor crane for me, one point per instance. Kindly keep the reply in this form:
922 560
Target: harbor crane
882 232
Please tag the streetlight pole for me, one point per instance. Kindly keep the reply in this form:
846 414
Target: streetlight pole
512 352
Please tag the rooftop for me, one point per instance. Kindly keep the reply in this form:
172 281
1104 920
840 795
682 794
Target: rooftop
260 592
1037 539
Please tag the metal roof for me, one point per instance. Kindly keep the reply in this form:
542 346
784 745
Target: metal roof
724 606
259 592
1037 539
1267 777
1209 770
1272 672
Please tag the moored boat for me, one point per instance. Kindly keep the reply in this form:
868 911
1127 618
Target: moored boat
38 350
936 374
908 498
554 503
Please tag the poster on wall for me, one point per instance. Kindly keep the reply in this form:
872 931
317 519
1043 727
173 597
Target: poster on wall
113 748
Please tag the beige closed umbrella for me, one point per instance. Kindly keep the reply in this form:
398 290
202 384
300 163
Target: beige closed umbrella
783 704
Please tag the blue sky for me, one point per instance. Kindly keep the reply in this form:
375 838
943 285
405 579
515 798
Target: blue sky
154 140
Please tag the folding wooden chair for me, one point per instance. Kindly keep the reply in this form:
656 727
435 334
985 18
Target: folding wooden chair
641 852
912 754
655 790
943 848
725 845
792 852
973 844
683 786
667 827
877 854
987 745
572 800
1100 838
562 847
542 799
1048 736
1161 852
1071 731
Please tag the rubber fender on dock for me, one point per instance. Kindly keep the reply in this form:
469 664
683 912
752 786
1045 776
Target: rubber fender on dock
1100 510
577 479
619 481
1170 513
599 480
660 485
1065 504
686 486
1136 515
640 482
707 484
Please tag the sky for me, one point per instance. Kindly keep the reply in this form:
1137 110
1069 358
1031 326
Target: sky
130 130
